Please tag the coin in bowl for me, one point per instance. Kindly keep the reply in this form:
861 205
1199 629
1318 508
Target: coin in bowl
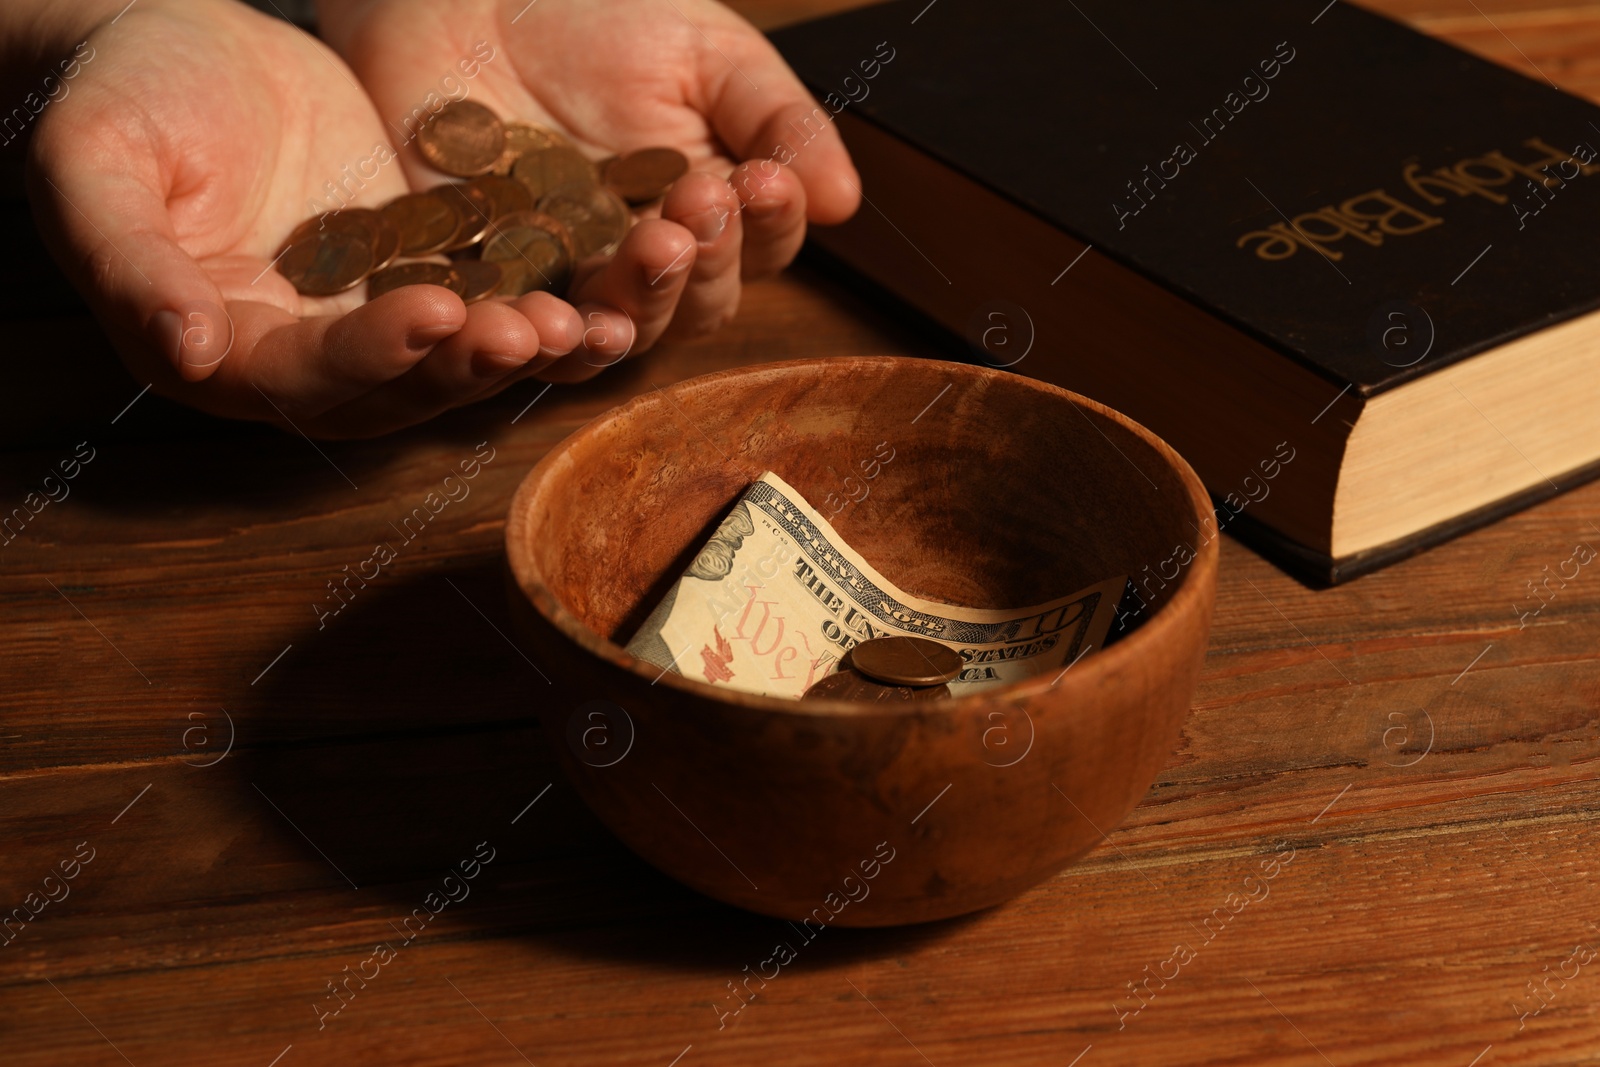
906 661
846 684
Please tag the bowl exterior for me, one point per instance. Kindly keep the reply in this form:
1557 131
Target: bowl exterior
869 819
833 815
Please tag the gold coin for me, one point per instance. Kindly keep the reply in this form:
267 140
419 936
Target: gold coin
385 244
324 262
846 684
384 238
479 278
415 274
506 195
907 661
351 219
522 138
646 175
534 252
355 219
464 139
595 216
381 234
548 169
427 223
473 206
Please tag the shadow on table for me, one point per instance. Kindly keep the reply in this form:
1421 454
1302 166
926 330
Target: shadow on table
401 735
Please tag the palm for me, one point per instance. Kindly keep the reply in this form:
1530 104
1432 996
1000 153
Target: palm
618 78
236 121
614 76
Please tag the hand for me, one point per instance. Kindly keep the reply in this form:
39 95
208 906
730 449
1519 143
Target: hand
195 136
614 76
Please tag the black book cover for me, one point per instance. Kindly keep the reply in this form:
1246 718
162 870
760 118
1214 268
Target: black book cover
1298 168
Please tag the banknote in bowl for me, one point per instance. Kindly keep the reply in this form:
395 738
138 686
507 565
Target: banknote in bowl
776 598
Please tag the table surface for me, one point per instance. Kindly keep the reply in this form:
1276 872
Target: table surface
264 800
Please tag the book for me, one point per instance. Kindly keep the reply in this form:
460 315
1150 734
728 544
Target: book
1342 267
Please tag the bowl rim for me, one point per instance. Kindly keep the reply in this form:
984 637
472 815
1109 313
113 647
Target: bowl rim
1190 598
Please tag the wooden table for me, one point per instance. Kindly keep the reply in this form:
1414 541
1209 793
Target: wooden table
1430 762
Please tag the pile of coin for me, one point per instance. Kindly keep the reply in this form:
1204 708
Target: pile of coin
533 207
890 670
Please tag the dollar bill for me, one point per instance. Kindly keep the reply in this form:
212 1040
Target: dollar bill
776 598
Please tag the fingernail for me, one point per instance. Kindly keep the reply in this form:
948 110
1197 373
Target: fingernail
764 208
680 264
602 341
197 335
422 338
564 340
495 364
707 225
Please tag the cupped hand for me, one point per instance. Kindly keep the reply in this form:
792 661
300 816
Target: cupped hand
613 76
196 135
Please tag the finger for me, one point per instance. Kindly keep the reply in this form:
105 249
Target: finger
709 209
529 371
308 366
761 110
495 341
494 344
774 204
111 232
642 282
558 324
609 337
560 330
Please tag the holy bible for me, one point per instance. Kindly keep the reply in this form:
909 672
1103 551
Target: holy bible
1345 269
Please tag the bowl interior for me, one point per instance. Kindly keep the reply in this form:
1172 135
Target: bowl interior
960 484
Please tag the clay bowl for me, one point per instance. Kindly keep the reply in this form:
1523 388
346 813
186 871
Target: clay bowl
1002 492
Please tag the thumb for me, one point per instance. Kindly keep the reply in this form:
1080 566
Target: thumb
110 230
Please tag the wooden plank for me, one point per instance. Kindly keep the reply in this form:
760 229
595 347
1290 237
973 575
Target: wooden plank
580 953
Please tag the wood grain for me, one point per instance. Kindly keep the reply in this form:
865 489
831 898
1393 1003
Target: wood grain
1430 761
